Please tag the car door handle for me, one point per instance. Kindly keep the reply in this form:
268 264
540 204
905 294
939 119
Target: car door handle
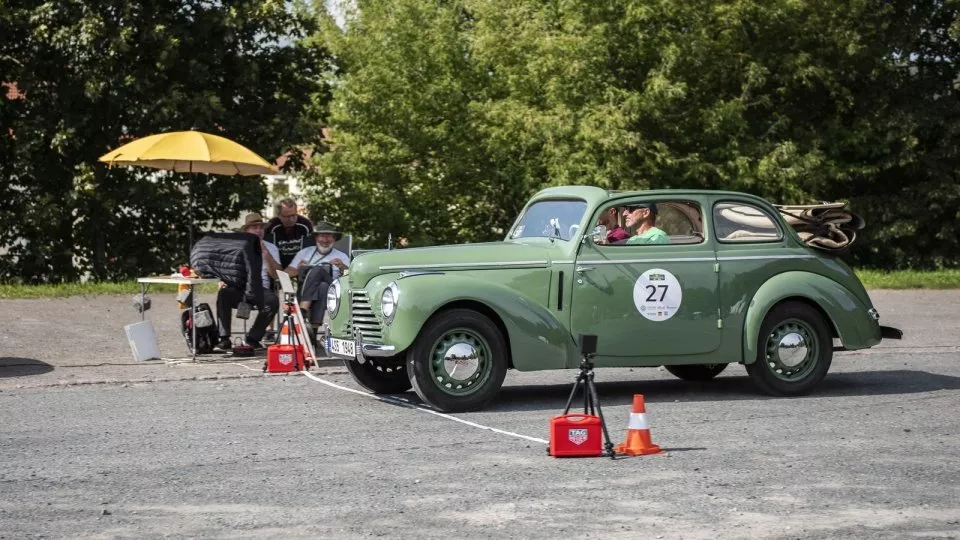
581 269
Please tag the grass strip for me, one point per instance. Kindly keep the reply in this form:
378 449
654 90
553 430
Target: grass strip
872 279
63 290
910 279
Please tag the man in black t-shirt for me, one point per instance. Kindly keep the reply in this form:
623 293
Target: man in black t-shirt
289 231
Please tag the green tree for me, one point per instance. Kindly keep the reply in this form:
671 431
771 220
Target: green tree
451 113
98 73
407 157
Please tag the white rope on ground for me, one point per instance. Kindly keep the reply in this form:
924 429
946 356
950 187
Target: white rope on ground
245 367
411 405
189 362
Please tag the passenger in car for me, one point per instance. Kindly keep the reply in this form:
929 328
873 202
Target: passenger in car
615 233
641 218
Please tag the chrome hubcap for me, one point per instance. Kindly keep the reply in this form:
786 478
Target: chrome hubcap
792 349
461 361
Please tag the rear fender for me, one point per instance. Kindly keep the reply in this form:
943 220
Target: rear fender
846 313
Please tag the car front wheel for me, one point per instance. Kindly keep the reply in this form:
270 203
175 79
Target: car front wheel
794 350
696 372
458 361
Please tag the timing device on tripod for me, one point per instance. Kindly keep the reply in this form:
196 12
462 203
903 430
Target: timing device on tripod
578 435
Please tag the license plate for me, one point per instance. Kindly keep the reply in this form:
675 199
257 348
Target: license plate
341 347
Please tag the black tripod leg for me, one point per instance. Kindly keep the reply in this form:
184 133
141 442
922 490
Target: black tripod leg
294 340
587 403
573 393
592 389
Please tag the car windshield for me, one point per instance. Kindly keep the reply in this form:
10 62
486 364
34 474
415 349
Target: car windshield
550 219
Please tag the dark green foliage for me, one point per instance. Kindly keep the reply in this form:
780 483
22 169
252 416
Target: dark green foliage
447 115
98 73
450 114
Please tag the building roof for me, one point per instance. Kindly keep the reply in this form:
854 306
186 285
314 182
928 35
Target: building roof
12 92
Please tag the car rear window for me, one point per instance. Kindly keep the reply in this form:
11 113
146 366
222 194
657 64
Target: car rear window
738 222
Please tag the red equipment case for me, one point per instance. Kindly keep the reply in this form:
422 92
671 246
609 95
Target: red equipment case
280 358
575 435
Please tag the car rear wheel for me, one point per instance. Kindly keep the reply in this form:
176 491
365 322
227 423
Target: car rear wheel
697 372
458 361
381 375
794 350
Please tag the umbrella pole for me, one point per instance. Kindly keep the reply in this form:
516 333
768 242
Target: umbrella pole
190 211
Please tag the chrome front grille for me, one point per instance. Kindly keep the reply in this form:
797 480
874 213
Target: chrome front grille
362 317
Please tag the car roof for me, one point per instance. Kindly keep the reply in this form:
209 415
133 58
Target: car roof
593 194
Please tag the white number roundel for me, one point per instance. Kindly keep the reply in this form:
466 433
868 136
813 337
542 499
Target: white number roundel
657 294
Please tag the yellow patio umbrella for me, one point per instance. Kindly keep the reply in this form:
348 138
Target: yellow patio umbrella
190 152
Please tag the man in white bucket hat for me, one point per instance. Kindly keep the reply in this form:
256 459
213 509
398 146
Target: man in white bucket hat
317 267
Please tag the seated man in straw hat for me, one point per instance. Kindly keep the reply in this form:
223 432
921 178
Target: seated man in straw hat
228 297
317 267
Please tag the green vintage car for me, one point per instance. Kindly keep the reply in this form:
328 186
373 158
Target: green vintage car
731 281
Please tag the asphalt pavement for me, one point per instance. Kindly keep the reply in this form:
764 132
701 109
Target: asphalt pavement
95 445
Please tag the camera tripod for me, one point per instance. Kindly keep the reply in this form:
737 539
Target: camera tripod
591 400
290 322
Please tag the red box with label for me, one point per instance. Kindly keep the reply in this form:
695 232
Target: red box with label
281 358
576 435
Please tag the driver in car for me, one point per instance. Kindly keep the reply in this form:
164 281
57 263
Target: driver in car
641 217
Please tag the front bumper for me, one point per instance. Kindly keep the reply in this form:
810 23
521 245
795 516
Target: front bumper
372 350
364 349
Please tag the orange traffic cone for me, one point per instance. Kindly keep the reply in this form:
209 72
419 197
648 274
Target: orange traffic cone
285 338
638 432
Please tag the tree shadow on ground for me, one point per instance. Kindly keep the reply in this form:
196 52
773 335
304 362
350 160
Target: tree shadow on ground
11 366
733 388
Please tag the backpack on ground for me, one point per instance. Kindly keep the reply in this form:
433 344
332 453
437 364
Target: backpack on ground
207 333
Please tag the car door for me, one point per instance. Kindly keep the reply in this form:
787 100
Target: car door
649 299
752 247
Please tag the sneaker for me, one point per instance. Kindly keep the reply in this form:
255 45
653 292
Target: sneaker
223 345
255 344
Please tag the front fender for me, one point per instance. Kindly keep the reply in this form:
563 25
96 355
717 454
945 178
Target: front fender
536 338
848 316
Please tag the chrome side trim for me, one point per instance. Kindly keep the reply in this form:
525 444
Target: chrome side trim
640 261
698 259
504 264
414 274
762 257
564 262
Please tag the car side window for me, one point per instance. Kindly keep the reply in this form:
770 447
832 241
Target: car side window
674 222
737 222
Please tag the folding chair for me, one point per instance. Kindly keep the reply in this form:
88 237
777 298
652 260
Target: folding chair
345 244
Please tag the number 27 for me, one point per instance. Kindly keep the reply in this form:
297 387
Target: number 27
653 291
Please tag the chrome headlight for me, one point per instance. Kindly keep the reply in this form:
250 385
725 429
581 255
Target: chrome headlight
333 298
388 301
